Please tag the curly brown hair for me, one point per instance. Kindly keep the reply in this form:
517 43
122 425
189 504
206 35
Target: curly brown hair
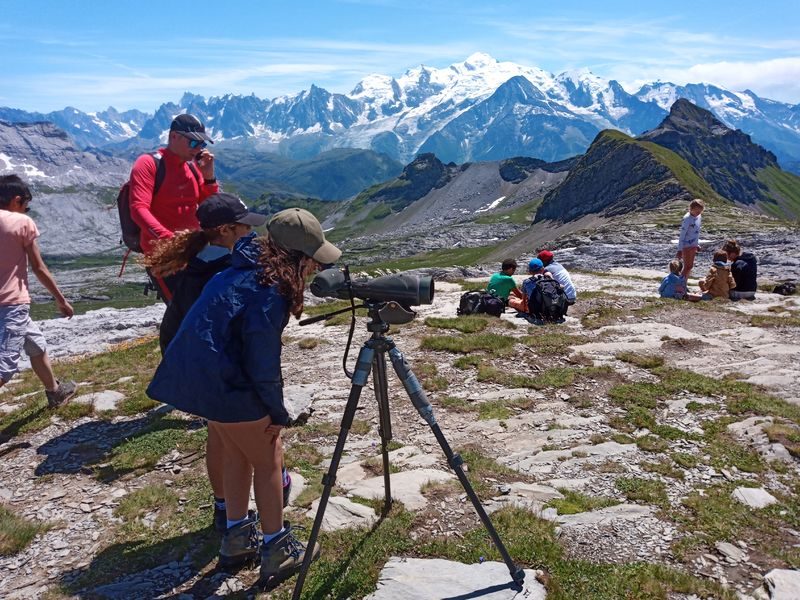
288 269
173 254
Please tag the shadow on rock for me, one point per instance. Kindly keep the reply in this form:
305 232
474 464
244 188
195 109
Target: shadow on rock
145 570
84 448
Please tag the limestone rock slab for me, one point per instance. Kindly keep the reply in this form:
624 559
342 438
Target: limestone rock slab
783 584
341 513
106 400
426 579
405 486
754 497
620 512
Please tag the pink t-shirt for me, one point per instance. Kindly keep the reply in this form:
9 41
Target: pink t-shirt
17 232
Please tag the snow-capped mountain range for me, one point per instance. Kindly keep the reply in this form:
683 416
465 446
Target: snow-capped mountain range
479 109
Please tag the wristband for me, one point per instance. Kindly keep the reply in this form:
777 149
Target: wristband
210 181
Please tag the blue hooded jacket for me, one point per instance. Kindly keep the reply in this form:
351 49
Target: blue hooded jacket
224 363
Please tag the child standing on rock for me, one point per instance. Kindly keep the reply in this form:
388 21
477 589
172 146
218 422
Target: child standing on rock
18 332
689 239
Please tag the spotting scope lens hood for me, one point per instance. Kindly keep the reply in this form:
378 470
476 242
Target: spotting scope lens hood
404 288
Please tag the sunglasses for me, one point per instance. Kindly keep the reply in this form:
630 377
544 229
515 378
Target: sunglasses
195 144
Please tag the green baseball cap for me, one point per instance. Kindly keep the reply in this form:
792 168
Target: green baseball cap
298 229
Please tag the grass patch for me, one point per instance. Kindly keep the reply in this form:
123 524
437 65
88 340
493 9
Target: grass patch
787 435
301 457
141 452
685 460
464 324
652 443
662 467
429 377
645 361
308 343
602 315
791 320
465 344
157 497
552 342
576 502
644 491
465 362
16 533
556 377
715 515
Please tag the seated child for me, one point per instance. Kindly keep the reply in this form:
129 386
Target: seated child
673 285
719 281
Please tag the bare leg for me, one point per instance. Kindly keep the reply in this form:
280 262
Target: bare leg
44 371
237 475
252 443
688 261
215 461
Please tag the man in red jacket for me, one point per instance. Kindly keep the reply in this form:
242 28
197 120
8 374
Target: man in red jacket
188 180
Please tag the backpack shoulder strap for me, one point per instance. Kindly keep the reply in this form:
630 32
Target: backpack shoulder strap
161 171
194 171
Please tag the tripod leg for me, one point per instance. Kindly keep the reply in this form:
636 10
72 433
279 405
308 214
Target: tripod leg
360 376
420 401
385 427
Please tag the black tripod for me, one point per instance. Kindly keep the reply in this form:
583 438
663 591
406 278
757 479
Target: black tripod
373 355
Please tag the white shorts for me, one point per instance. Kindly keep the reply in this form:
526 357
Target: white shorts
17 333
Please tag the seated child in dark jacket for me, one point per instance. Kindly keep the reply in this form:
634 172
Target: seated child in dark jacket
744 268
673 285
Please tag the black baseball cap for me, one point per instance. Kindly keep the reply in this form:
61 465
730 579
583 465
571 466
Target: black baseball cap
190 127
224 209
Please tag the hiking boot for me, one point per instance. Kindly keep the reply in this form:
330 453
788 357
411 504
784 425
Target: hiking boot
61 394
240 542
287 490
282 557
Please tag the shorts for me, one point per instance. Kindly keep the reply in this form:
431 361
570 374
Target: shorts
17 333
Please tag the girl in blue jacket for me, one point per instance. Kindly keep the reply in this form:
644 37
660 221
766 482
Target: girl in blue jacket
224 365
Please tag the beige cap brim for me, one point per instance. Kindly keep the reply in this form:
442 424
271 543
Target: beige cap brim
327 253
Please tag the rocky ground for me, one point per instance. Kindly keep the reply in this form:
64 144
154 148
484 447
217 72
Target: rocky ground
642 449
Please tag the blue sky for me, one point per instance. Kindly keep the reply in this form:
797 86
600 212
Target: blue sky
91 54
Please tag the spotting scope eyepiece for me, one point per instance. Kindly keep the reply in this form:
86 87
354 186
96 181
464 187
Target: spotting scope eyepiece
404 288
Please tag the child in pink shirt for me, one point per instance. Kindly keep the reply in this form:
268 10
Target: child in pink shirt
18 332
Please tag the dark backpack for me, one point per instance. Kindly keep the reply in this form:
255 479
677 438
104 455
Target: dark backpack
131 232
548 301
787 288
491 305
469 303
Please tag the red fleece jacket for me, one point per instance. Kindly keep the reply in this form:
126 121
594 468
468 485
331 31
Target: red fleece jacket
173 207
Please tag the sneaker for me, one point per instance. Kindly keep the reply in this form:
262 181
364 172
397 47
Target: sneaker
240 543
282 557
287 490
61 394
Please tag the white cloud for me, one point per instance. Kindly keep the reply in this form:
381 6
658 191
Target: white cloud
777 79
